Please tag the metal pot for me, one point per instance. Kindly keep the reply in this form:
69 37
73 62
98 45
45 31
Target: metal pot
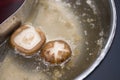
98 24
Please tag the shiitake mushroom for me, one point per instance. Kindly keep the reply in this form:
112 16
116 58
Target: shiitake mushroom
27 40
56 52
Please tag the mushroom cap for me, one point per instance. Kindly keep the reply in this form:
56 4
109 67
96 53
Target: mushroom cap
56 52
27 40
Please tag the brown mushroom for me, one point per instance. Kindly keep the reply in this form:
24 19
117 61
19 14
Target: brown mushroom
56 52
27 40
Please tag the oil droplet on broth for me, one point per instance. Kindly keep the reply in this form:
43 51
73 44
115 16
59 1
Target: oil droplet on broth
58 22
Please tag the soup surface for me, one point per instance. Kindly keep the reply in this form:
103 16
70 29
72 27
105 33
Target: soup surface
58 21
75 21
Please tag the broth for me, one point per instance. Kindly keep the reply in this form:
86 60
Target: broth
58 22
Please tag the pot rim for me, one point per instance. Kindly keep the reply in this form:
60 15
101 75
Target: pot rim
107 46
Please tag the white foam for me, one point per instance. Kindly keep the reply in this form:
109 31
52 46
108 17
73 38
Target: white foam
91 4
28 38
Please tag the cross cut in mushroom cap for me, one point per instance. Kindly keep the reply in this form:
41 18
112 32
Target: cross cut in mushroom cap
27 39
56 52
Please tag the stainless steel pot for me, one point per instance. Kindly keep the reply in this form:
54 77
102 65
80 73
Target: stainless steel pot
98 24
